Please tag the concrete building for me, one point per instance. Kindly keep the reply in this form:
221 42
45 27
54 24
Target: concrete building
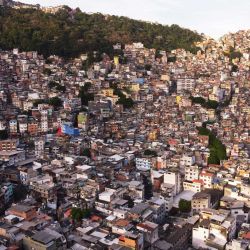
174 178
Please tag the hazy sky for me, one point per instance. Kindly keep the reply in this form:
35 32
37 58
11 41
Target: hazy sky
212 17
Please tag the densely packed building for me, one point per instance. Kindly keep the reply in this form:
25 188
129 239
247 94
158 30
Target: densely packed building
151 152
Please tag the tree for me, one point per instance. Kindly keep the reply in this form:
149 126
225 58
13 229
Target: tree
52 84
20 192
86 152
198 100
150 152
77 214
184 206
69 34
85 95
126 102
39 101
3 134
235 54
47 71
129 199
211 104
203 131
148 67
216 147
148 187
235 68
55 102
213 158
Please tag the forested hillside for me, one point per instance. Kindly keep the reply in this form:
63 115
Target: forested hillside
71 32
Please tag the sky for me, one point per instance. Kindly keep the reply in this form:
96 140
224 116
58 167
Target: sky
212 17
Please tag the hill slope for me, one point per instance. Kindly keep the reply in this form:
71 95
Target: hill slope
71 32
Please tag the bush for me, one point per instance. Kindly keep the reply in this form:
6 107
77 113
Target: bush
206 104
150 152
3 134
77 214
69 34
217 149
126 102
47 71
184 206
86 152
55 102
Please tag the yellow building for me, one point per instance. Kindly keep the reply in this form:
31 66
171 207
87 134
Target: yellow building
108 92
178 99
165 78
116 60
135 87
152 135
132 241
211 114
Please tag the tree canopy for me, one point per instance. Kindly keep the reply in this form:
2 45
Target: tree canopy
184 206
3 134
217 149
56 102
69 33
78 214
211 104
85 95
150 152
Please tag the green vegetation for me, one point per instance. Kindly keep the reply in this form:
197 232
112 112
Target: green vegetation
57 86
184 206
235 68
20 193
217 149
148 187
150 152
172 59
148 67
77 214
85 95
3 134
126 102
233 54
198 100
86 152
56 102
47 71
69 34
210 104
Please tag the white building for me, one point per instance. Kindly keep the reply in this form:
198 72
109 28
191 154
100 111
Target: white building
7 189
207 179
173 178
12 157
39 147
2 124
13 126
192 173
194 186
214 230
187 160
143 163
159 207
167 193
200 235
185 84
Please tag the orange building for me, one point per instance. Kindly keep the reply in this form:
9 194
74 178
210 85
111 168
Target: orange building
133 241
23 211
